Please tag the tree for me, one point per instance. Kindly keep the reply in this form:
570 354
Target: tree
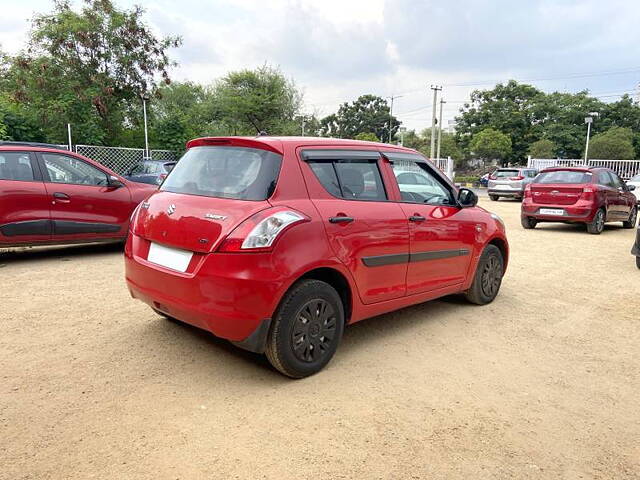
543 148
490 144
510 107
251 101
368 136
368 114
449 147
85 67
614 144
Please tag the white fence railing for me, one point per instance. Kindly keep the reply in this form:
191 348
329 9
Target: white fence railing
121 159
625 168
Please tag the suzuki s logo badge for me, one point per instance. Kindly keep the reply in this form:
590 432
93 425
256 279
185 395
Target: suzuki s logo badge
171 209
214 216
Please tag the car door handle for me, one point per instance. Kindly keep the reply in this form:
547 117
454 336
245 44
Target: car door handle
341 219
61 196
416 218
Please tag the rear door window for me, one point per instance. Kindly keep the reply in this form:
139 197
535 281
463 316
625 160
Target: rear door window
16 166
225 172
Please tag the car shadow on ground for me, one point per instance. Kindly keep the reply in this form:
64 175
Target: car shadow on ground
573 227
26 254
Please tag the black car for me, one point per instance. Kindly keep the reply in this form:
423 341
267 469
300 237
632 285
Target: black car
150 171
636 248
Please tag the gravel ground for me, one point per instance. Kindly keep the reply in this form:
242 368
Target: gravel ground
543 383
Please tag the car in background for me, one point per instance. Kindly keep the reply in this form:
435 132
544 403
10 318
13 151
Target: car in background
150 171
509 182
278 243
49 195
592 196
635 181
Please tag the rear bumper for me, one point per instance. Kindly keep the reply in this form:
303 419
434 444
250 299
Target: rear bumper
505 193
578 212
222 294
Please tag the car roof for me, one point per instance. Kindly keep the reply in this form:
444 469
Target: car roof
277 144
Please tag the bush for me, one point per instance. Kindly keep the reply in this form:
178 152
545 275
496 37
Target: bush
614 144
543 148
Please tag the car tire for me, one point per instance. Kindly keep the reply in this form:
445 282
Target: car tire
638 262
494 198
488 277
596 226
633 218
528 222
306 329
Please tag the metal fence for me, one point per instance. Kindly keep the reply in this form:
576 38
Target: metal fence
121 159
445 165
625 168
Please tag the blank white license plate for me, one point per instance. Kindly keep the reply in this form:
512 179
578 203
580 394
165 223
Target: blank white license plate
551 211
169 257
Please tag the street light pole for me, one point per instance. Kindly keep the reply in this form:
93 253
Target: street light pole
402 131
145 97
435 89
442 102
588 120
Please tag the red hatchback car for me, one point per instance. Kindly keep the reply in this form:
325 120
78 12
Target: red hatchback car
586 195
53 196
277 243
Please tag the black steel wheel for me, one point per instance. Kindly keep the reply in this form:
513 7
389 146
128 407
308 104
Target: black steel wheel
306 329
488 277
494 198
528 222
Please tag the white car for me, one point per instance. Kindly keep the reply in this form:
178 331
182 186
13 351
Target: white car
636 182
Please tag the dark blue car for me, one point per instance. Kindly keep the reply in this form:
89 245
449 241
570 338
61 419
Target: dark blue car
150 171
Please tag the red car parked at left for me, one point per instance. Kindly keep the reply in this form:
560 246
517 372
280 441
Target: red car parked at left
52 196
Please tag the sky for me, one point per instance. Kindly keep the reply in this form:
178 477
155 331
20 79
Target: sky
336 50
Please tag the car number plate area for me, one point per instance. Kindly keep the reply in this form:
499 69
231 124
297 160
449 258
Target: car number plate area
551 211
172 258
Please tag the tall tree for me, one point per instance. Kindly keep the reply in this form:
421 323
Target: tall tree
543 148
251 101
490 144
614 144
368 114
83 67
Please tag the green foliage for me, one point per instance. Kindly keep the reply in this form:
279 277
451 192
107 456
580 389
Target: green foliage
84 67
368 114
251 101
449 147
367 136
614 144
543 148
490 144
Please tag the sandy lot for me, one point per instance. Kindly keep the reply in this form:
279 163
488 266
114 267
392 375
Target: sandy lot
543 383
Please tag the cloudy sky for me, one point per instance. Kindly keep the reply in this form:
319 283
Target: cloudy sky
336 50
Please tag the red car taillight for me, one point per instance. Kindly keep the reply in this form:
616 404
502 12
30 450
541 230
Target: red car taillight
588 193
259 232
527 191
519 177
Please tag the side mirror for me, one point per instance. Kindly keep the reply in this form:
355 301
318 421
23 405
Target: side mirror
114 182
631 187
466 198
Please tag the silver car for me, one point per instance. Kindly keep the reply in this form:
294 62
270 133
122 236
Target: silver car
510 182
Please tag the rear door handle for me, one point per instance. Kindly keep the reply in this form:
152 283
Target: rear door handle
340 219
416 218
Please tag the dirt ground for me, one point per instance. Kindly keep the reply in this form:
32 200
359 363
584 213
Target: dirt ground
543 383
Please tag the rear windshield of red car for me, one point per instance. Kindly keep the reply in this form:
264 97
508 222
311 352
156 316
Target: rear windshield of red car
564 176
225 172
506 173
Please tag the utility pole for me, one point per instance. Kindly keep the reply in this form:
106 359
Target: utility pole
303 126
392 97
145 97
69 133
435 89
442 102
588 120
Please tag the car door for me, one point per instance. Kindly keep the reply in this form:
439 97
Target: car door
83 204
623 203
441 235
24 204
367 231
611 194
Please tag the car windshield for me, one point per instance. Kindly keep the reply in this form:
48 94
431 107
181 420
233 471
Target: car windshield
505 173
225 172
564 176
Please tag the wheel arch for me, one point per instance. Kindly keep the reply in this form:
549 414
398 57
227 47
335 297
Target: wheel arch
338 281
501 244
